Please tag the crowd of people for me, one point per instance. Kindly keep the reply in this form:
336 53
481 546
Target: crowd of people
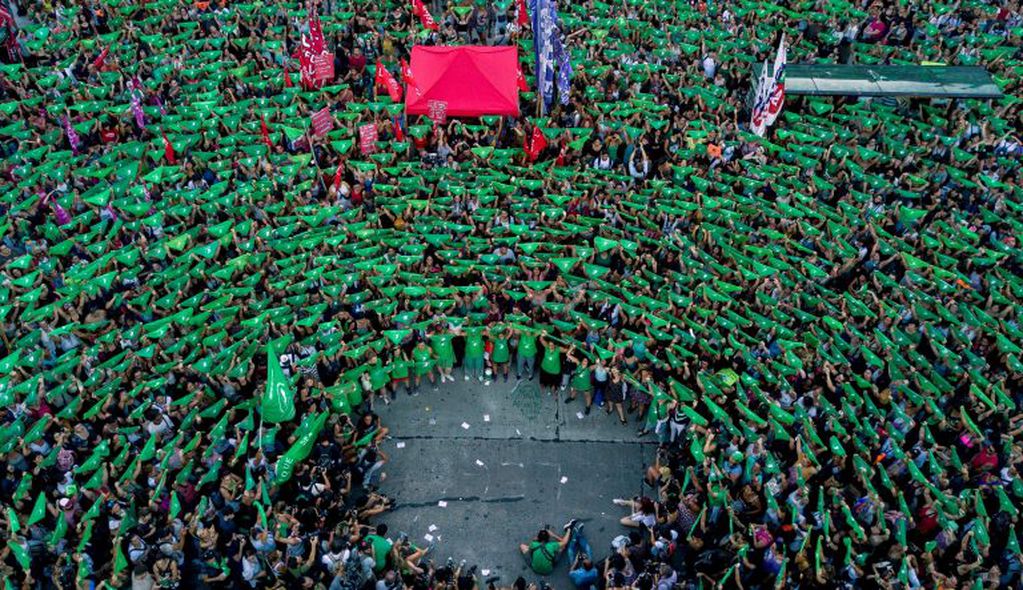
819 327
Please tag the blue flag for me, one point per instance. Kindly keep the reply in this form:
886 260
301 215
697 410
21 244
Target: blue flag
552 60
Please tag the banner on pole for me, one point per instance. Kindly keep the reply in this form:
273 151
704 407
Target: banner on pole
438 111
323 122
368 138
323 67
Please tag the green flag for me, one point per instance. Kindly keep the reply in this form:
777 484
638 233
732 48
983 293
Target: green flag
301 448
278 404
39 511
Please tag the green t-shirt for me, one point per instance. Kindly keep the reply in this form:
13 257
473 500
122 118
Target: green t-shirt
543 556
501 354
399 368
581 379
551 360
381 547
527 344
474 343
441 344
421 356
378 376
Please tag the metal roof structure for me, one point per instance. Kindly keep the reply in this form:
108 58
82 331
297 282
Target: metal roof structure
867 80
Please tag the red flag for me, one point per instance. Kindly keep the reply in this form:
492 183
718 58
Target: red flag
168 149
522 17
337 175
10 29
323 122
98 62
424 15
536 144
305 63
266 133
399 133
315 31
385 79
287 77
310 52
520 78
408 78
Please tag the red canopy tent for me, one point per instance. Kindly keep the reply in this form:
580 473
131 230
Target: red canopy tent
473 80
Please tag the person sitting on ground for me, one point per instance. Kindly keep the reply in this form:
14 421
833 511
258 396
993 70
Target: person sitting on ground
543 552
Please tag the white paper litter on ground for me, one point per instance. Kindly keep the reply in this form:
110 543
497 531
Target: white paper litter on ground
429 538
442 504
564 479
486 417
465 425
432 527
579 415
400 445
480 463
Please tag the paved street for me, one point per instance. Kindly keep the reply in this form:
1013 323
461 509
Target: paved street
479 469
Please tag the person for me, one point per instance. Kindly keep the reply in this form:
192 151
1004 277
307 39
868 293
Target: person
832 305
582 571
542 552
141 578
581 380
550 365
525 355
643 512
616 390
441 343
379 547
500 356
472 364
423 357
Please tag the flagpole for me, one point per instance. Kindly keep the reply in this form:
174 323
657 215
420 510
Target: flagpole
259 439
316 161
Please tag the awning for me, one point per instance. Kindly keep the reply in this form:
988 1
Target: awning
867 80
472 80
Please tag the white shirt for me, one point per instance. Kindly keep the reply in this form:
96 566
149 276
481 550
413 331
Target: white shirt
251 569
330 560
710 67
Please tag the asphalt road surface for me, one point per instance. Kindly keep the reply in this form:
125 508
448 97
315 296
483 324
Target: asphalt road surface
477 469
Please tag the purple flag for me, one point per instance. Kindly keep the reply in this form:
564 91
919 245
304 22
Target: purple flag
63 217
72 135
136 109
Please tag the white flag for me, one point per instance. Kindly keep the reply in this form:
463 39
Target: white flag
758 119
777 97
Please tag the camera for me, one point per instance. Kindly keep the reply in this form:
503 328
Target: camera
432 160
